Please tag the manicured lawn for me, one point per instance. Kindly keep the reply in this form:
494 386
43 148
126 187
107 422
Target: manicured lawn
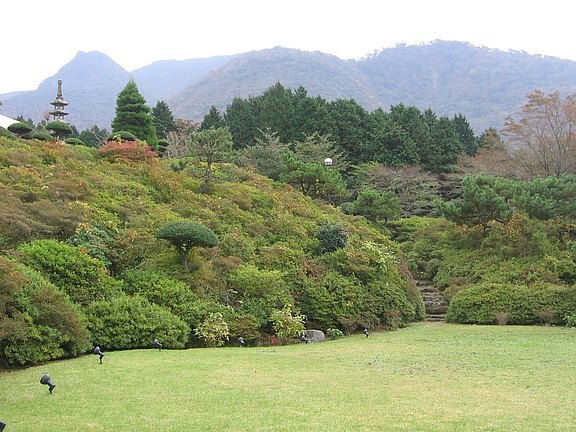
427 377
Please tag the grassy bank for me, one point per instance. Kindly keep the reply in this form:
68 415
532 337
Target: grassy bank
427 377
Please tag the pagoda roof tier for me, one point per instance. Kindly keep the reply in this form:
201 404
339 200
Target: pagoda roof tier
59 102
58 112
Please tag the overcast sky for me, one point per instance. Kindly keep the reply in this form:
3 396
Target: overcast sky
41 36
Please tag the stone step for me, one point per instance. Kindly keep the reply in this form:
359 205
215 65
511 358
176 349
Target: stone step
427 288
437 297
435 317
435 304
436 310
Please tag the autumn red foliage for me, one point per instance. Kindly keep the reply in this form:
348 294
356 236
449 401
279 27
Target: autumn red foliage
127 151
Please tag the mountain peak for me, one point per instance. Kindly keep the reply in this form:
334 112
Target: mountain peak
448 77
93 67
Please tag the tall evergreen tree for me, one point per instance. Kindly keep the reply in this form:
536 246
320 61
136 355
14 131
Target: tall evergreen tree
466 135
310 115
241 120
275 109
163 119
389 143
443 147
349 122
133 115
212 120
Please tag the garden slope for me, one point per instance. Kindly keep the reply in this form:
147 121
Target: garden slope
111 210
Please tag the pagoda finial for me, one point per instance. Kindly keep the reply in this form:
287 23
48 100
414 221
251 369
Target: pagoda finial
59 92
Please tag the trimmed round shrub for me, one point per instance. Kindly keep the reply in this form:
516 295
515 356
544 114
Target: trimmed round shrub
74 141
184 235
127 322
20 128
42 136
122 136
59 128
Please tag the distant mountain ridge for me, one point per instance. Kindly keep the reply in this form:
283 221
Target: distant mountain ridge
449 77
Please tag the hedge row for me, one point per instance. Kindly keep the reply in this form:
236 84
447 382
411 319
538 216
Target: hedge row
513 304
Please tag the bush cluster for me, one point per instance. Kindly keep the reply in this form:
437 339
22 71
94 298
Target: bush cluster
38 322
127 151
512 304
126 322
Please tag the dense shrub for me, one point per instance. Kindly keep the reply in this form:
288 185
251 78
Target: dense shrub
522 304
96 240
333 298
42 136
259 291
37 321
391 305
364 289
126 322
331 237
288 323
82 277
214 330
126 151
242 324
167 292
122 136
74 141
6 133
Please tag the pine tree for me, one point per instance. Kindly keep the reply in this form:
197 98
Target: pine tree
133 115
163 119
212 120
468 140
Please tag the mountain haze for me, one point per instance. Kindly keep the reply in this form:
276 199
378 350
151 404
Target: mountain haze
483 84
253 72
164 78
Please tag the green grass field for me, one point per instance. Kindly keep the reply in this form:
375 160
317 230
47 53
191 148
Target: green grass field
427 377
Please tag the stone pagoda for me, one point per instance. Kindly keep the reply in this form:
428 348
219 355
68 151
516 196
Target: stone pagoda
59 104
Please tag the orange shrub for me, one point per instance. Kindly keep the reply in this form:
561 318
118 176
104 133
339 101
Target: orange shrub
127 151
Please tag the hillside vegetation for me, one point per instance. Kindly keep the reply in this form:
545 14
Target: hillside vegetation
234 231
81 263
